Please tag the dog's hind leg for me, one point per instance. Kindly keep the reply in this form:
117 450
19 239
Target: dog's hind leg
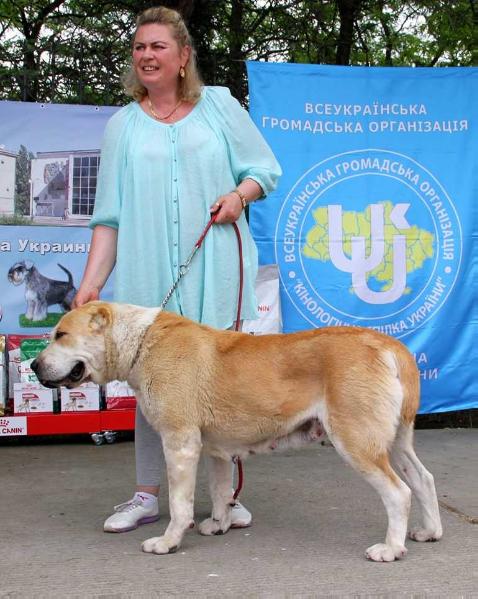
181 451
395 494
422 484
220 487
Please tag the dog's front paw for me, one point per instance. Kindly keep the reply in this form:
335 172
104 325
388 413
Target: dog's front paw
385 553
423 535
210 526
158 545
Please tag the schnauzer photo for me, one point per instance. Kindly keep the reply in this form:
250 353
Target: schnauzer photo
41 292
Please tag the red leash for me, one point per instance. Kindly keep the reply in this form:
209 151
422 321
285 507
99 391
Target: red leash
237 460
241 265
183 269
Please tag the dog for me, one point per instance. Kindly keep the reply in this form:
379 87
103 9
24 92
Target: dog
40 291
232 394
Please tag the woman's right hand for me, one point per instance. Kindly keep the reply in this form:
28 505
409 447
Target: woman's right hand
84 296
101 261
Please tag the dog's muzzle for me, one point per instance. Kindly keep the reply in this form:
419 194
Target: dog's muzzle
15 278
74 377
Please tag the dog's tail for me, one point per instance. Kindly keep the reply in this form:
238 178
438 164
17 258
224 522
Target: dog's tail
410 380
70 276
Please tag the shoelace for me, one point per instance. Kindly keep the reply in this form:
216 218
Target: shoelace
128 506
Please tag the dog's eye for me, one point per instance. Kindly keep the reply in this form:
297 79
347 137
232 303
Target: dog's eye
59 335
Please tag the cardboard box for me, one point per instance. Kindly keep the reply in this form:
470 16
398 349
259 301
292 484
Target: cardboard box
268 303
29 350
84 398
119 395
13 357
30 398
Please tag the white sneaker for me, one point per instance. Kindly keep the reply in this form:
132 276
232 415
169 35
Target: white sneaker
240 516
130 515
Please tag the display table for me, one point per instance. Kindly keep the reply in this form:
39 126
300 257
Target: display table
67 423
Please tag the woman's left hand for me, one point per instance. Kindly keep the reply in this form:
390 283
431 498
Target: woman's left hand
228 208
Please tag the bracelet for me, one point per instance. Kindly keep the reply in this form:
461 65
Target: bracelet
242 197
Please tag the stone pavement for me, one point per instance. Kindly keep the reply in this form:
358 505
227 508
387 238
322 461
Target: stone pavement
313 519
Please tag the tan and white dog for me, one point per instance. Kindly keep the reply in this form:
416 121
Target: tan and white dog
231 394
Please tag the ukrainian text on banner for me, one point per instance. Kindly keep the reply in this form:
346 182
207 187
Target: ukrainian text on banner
375 219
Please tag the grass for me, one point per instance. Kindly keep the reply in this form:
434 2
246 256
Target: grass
15 219
50 321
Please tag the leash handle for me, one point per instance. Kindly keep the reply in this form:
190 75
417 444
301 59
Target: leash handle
241 276
241 262
206 230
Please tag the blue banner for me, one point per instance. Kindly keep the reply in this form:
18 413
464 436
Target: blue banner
375 219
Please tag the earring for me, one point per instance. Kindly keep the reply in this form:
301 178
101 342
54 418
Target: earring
182 72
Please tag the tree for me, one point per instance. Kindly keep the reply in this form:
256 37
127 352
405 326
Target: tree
22 181
75 51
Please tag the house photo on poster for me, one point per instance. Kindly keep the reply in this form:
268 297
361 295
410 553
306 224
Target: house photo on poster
49 159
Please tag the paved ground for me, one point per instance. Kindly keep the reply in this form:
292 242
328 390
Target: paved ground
313 519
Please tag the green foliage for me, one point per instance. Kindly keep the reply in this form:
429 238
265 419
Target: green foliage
424 33
22 181
14 219
75 51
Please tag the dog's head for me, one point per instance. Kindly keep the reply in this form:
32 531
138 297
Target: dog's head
19 271
77 350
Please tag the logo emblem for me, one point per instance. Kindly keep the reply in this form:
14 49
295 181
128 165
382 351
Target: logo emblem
368 238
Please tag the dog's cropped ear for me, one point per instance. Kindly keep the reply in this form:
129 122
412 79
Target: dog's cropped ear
101 316
28 264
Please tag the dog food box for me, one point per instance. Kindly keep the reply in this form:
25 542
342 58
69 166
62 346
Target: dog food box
31 398
119 395
29 350
3 376
84 398
13 357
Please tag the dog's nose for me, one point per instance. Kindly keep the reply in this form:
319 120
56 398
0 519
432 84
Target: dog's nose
34 366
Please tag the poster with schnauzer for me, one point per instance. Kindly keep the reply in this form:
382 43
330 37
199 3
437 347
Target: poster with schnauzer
41 268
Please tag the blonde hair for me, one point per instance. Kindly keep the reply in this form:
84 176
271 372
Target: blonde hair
190 85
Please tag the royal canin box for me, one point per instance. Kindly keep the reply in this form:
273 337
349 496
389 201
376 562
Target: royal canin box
30 398
84 398
29 350
119 395
13 354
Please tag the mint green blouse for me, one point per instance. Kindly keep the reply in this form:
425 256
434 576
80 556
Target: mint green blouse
155 185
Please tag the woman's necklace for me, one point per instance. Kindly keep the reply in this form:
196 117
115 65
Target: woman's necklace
163 118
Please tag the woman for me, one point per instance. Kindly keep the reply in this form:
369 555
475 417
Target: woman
169 159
